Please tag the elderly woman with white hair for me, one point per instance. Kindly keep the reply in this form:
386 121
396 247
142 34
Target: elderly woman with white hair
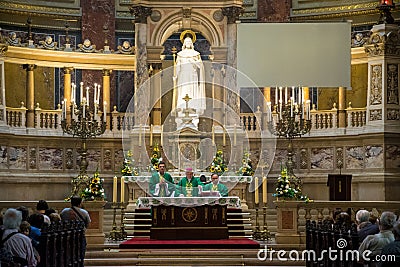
18 244
364 226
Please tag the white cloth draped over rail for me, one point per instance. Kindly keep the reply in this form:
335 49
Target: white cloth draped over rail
148 202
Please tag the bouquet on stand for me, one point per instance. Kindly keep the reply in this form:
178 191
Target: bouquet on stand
218 164
155 158
287 190
128 168
246 169
95 190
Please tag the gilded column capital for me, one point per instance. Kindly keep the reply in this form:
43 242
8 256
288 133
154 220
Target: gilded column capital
106 72
383 42
3 49
232 13
29 67
141 13
67 70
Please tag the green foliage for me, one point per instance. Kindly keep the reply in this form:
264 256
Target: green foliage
155 158
246 169
218 164
95 190
287 189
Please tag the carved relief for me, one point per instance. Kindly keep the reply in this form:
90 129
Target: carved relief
141 13
304 158
69 159
107 159
393 114
32 158
232 13
339 158
375 115
375 97
392 84
381 43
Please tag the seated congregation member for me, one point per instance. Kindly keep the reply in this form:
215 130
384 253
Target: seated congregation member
41 208
161 183
375 243
76 212
364 226
17 243
215 185
393 248
189 185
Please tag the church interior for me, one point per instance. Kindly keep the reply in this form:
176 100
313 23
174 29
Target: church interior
92 101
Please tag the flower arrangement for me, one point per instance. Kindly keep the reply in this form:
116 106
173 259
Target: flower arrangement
155 158
128 168
246 169
95 190
218 164
288 190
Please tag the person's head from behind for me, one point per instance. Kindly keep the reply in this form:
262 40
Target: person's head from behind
12 219
214 178
362 216
25 212
343 218
42 206
49 211
396 230
25 228
76 201
54 217
36 220
161 167
387 220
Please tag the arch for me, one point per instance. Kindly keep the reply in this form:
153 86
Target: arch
171 24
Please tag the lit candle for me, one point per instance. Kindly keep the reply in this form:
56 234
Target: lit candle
151 134
115 184
72 93
105 111
66 107
98 94
280 95
256 190
122 190
140 135
87 95
162 134
293 92
234 136
213 134
81 91
286 96
265 190
62 110
291 107
83 107
270 111
95 94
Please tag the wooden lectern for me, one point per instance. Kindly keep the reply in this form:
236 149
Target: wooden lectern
339 187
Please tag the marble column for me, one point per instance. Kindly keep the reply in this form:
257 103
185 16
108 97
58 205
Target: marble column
218 93
342 107
106 95
156 94
67 91
30 95
232 94
142 97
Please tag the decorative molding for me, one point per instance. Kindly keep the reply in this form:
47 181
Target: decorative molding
383 42
393 114
13 8
392 84
141 13
357 8
232 13
375 97
375 115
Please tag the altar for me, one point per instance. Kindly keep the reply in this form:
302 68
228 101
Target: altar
188 218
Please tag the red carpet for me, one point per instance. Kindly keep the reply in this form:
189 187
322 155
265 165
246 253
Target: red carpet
232 243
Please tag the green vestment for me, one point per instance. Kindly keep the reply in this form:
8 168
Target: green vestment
184 184
221 188
164 190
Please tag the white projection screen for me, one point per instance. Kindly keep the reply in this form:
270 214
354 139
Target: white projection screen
294 54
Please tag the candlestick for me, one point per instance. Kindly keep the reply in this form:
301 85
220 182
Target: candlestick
122 190
286 95
115 182
95 94
81 91
98 94
293 92
72 93
276 95
151 134
280 95
213 134
269 111
62 109
84 107
105 111
265 190
256 200
66 107
234 136
87 95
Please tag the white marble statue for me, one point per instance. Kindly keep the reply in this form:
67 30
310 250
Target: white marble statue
189 81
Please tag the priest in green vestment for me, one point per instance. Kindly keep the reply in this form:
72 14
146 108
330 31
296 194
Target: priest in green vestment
215 185
188 186
161 183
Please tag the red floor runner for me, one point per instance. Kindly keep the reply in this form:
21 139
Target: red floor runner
234 243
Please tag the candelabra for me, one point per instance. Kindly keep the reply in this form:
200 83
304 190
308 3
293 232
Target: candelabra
290 118
115 233
85 123
384 7
263 234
